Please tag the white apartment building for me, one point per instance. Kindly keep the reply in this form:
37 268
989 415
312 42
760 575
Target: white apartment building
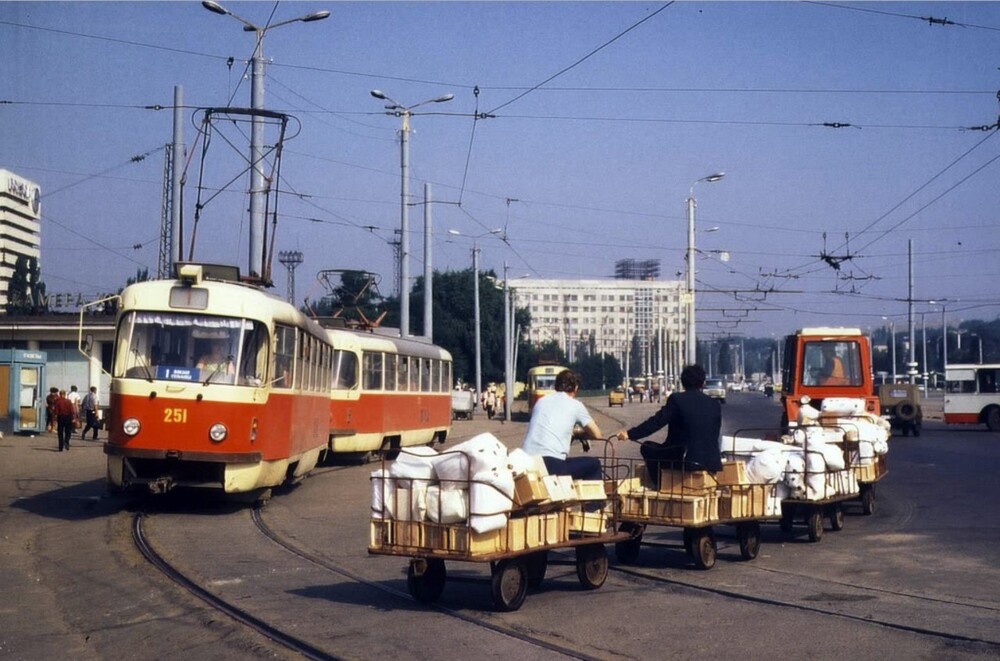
20 210
600 316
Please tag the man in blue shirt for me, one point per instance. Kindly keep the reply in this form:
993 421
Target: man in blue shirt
551 430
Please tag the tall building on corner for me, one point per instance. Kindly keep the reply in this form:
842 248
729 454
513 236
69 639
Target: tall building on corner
20 211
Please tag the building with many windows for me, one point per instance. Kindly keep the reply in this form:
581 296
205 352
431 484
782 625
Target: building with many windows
643 319
20 210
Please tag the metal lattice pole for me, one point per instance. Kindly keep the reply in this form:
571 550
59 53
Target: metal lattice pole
291 259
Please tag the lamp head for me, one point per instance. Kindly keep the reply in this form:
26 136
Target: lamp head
214 7
315 16
378 94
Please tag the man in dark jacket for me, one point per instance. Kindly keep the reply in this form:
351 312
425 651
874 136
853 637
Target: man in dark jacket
693 419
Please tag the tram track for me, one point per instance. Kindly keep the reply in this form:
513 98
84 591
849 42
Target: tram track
325 564
252 622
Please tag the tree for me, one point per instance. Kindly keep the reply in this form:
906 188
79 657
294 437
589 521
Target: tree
354 296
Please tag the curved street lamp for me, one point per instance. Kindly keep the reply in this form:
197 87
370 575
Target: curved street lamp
692 347
399 110
258 182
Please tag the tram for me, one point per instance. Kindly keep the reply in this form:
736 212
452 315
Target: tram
388 393
215 384
541 382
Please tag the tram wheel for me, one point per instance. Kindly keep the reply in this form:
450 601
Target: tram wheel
815 524
703 543
536 564
627 551
868 500
591 565
427 585
509 584
749 536
836 517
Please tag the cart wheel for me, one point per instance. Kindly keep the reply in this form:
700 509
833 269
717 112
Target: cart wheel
628 551
868 499
591 565
815 524
535 565
786 522
509 584
703 543
428 585
836 516
749 536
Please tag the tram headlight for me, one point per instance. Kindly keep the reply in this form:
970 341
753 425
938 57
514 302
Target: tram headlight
131 427
218 432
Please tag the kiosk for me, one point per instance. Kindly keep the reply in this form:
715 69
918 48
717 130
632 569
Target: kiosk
22 391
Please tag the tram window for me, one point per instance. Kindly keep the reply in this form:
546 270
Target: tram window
372 364
284 354
399 367
345 370
253 356
988 381
425 375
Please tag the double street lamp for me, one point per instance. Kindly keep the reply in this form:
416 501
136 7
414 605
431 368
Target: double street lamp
397 109
692 347
258 182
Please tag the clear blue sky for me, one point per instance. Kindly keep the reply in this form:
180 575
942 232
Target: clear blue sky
600 158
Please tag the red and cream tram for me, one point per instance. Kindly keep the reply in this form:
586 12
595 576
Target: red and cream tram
388 392
215 384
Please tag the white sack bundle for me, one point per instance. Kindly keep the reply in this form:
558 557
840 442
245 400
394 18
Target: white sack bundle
520 462
476 455
744 445
490 499
447 505
413 463
766 467
383 494
807 414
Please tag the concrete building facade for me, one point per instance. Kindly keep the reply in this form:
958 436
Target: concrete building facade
587 317
20 230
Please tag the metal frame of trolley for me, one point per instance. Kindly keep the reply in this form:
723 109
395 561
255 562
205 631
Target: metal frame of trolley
517 553
693 500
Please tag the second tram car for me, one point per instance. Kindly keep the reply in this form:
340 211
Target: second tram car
388 392
215 384
541 382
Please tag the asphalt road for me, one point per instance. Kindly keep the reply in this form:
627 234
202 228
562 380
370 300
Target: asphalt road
916 580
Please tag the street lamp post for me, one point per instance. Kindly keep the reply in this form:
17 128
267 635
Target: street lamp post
258 182
692 353
399 110
892 330
475 308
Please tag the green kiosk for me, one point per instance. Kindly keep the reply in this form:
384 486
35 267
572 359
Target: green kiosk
22 391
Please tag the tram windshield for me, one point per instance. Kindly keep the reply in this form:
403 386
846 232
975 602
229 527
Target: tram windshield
169 346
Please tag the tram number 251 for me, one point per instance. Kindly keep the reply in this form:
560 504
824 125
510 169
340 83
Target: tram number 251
175 415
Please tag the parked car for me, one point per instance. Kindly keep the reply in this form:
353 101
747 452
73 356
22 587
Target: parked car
617 397
716 388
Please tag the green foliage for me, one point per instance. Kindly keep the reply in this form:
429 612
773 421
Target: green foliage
356 298
598 372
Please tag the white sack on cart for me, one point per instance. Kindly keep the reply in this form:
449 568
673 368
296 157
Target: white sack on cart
490 499
833 456
383 494
411 502
766 467
447 505
843 406
745 447
520 462
479 453
794 479
807 414
413 463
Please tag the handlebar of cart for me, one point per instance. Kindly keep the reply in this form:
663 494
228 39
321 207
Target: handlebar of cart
515 542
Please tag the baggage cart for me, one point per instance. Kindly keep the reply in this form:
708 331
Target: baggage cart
517 552
463 404
694 500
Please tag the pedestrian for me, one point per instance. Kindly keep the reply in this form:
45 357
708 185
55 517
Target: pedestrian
693 421
89 406
65 417
50 409
74 396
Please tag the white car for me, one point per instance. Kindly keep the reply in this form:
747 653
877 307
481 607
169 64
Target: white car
715 388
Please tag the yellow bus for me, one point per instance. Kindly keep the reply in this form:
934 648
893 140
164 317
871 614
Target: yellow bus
541 382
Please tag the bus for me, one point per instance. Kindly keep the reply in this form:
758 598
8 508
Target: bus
972 395
541 382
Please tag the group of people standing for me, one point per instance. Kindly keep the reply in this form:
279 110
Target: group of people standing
63 414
